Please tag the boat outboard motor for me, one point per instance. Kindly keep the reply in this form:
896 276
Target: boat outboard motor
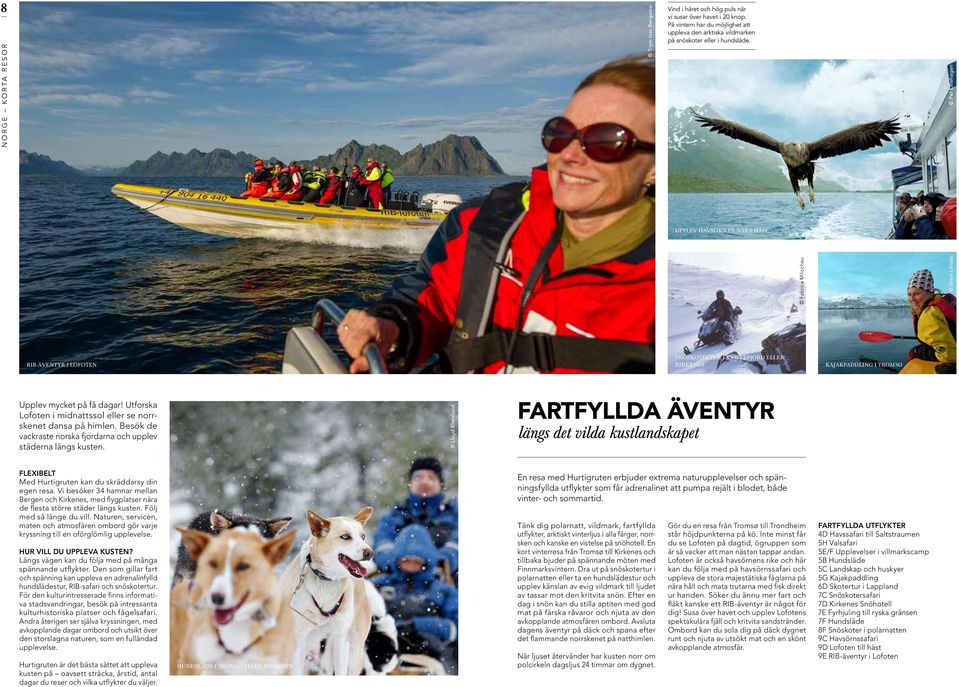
415 199
441 202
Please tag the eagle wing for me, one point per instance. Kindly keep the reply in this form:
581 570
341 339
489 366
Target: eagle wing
859 137
737 131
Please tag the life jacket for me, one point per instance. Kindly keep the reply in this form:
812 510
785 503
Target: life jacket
296 179
334 183
373 174
388 177
475 343
314 180
946 304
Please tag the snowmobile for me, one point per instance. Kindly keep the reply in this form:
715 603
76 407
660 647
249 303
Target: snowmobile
712 331
733 363
786 348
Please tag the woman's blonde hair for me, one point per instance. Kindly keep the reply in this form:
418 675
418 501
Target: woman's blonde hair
634 73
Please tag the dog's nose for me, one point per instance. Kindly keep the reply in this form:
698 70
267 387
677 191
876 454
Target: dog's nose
216 598
367 554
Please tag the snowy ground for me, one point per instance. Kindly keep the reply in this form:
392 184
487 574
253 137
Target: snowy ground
765 302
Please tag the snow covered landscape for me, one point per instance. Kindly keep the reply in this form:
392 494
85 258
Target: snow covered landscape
765 302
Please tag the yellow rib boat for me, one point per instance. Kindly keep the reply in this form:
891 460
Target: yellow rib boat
223 214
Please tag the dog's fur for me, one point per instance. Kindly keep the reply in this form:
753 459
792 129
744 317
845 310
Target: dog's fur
214 522
228 629
382 644
210 522
326 591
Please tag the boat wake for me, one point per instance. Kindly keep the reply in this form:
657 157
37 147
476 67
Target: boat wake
408 240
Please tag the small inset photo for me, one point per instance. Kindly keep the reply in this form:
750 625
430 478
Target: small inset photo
737 313
887 313
812 149
314 538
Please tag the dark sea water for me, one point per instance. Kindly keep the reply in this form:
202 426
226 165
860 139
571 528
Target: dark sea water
107 285
777 216
840 347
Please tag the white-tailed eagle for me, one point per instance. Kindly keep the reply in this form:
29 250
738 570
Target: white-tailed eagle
799 156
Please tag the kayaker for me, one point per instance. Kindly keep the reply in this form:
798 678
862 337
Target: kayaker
259 181
556 275
333 185
373 180
933 321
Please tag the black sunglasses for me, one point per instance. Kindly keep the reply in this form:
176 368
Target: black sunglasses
603 142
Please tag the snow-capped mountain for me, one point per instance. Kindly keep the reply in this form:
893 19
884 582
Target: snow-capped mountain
861 302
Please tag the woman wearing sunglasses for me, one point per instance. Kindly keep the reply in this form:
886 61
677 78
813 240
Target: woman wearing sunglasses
556 275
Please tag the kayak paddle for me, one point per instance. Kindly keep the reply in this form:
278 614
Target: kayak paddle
881 337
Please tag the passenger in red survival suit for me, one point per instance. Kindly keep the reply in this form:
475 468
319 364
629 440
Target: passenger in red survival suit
554 275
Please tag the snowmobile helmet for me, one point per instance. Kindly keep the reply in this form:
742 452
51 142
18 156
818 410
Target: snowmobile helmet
720 294
922 280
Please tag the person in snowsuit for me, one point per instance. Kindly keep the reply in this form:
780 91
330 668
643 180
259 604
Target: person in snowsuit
556 275
933 321
426 610
258 182
723 311
333 186
426 504
373 180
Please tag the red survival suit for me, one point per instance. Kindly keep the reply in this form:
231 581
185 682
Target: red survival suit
259 182
374 182
295 189
335 181
598 318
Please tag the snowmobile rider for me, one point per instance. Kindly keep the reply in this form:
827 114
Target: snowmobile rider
933 321
554 275
258 182
723 310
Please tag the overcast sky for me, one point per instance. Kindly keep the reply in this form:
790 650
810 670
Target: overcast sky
105 84
804 100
